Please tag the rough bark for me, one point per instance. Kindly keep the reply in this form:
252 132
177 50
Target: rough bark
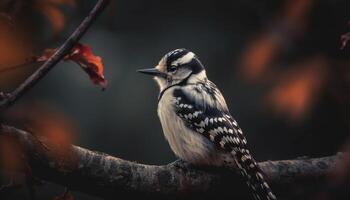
108 177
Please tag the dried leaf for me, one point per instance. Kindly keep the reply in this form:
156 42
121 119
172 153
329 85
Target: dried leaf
91 64
83 56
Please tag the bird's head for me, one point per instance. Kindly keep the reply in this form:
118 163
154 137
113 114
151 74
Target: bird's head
176 67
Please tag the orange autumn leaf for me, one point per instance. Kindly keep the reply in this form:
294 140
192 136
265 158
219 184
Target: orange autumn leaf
83 56
296 91
91 64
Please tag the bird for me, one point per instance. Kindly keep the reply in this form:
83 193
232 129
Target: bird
197 123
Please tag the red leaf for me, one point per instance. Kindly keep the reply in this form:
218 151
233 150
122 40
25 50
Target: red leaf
83 56
93 66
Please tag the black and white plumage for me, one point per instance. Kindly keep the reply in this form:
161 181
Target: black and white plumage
196 120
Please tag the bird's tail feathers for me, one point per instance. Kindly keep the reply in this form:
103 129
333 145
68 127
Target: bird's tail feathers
254 176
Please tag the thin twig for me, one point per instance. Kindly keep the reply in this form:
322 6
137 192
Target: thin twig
56 57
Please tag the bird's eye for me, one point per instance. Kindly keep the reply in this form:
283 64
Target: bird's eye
172 69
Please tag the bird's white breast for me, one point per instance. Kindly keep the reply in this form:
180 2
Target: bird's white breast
185 143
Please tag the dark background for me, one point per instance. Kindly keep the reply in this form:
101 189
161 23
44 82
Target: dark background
278 64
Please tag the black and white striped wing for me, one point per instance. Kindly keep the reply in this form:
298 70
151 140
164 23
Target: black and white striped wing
219 127
216 125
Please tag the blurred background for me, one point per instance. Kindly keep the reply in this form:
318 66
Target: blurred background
277 62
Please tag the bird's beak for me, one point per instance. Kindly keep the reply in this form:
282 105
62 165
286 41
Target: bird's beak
153 72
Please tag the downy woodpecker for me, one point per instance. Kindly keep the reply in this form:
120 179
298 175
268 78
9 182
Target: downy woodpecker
197 123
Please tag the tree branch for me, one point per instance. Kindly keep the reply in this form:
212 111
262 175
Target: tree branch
108 177
66 47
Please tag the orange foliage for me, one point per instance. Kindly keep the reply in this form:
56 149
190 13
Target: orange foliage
82 55
51 9
295 11
14 49
261 52
296 91
11 49
259 55
11 157
52 128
